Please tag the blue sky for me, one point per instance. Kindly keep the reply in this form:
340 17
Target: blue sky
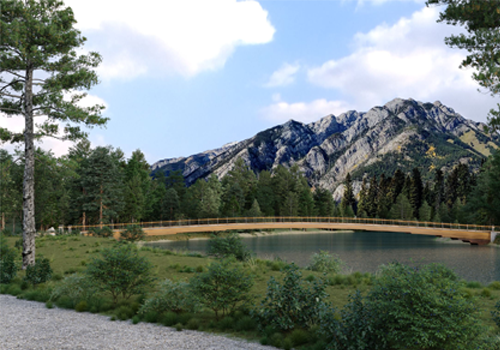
182 77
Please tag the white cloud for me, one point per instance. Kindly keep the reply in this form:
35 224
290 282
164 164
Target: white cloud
305 112
407 59
185 37
285 75
59 148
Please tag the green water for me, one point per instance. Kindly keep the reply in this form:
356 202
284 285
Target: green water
365 251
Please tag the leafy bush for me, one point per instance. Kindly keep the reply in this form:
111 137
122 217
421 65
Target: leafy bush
170 319
106 232
407 308
124 312
293 304
8 265
120 271
171 296
326 262
496 314
227 246
132 233
246 323
494 285
38 273
222 288
81 306
76 288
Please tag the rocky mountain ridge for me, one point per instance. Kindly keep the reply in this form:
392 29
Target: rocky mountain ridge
403 133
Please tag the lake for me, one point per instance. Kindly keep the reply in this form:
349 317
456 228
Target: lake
365 251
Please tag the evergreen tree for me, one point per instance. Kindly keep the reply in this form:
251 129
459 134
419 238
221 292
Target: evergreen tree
254 210
40 65
265 194
416 192
483 204
397 184
233 200
155 198
10 192
363 200
291 205
171 204
384 201
306 199
242 175
175 180
323 202
348 199
425 212
402 209
371 198
438 190
101 180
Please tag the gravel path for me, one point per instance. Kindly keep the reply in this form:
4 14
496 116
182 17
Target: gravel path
29 325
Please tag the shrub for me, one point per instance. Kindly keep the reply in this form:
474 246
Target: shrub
106 232
227 246
170 319
81 306
474 285
8 265
124 312
193 324
222 288
299 337
151 317
136 320
295 303
486 293
120 271
496 314
171 296
76 288
49 304
38 273
132 233
326 262
494 285
408 308
227 323
246 323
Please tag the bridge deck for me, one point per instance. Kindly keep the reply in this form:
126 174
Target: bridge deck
481 237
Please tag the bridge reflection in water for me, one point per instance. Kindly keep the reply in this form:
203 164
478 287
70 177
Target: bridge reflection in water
474 234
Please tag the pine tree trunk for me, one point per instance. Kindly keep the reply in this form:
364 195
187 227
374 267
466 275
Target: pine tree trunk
29 229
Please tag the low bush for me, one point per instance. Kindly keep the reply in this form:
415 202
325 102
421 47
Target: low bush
81 306
76 288
326 262
293 304
407 308
120 272
151 317
474 285
136 320
224 247
125 312
193 324
223 287
171 296
246 324
8 264
299 337
494 285
170 319
132 233
227 323
496 314
38 273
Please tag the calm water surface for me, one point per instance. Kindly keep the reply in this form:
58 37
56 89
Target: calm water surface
365 251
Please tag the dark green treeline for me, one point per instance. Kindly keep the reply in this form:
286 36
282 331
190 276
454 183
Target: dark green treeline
92 186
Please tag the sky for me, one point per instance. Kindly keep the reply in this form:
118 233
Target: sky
183 77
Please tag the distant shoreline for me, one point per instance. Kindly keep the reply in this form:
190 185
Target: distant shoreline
246 235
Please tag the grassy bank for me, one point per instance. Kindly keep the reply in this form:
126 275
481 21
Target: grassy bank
72 254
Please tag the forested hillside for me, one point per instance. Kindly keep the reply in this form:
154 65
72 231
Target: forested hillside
92 186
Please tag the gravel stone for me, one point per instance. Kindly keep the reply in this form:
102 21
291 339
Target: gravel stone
29 325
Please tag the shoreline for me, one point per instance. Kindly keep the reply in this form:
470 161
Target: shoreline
246 235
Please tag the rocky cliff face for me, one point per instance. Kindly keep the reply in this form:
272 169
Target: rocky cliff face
401 134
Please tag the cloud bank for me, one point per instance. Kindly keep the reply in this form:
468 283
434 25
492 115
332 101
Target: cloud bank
167 36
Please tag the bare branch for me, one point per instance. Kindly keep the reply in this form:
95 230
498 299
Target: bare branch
9 84
9 95
17 75
11 110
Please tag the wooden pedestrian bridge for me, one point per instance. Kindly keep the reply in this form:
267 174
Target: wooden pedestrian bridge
473 234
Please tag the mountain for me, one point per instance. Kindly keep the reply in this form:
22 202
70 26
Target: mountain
403 133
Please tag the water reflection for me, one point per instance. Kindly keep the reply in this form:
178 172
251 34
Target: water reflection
365 251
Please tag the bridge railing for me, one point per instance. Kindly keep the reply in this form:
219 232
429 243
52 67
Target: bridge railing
290 219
